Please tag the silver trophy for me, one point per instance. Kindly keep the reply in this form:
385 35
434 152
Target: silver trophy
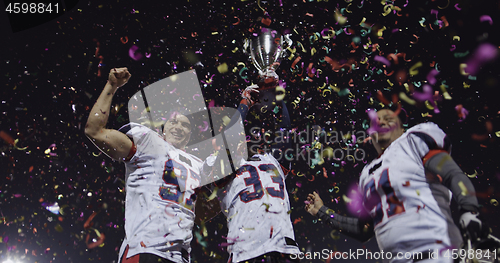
266 51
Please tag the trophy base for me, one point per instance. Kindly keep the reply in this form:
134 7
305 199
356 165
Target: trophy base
267 83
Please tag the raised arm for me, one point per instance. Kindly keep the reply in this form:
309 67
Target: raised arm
245 104
207 208
349 226
111 142
232 131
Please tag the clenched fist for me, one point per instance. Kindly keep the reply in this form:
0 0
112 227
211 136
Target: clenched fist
118 76
313 203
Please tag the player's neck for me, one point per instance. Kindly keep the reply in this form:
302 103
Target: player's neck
379 149
178 147
381 145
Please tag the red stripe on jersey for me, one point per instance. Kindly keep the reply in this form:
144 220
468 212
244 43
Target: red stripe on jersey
432 153
133 149
133 259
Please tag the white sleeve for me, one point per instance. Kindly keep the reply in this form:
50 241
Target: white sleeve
145 139
135 130
208 164
428 136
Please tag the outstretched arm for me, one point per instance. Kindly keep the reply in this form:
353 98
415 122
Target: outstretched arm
232 133
111 142
349 226
450 175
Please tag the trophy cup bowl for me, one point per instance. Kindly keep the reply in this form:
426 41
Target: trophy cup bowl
266 51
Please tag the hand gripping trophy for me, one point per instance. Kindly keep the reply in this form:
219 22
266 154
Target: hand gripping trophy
266 51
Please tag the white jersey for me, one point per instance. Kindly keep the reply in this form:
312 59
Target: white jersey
159 215
409 213
257 209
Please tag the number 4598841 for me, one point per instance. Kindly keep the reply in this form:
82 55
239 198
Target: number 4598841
32 8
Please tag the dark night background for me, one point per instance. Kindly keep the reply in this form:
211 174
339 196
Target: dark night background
52 74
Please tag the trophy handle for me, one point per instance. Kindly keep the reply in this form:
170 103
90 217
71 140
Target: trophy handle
286 39
246 45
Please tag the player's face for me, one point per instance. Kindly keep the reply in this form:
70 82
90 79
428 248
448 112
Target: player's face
390 122
177 131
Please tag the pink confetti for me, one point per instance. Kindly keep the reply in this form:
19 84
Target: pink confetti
461 112
225 244
325 31
434 12
282 84
372 114
376 128
483 54
382 60
431 77
426 95
231 239
132 53
356 204
486 18
211 104
204 127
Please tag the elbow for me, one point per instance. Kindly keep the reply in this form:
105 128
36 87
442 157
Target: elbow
88 131
91 131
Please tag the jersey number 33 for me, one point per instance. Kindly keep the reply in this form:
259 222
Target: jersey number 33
251 175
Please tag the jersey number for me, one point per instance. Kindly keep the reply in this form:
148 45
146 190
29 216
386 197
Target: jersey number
372 200
254 180
172 171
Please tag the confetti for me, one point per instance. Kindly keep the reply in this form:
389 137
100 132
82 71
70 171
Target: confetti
339 58
132 52
482 55
486 18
